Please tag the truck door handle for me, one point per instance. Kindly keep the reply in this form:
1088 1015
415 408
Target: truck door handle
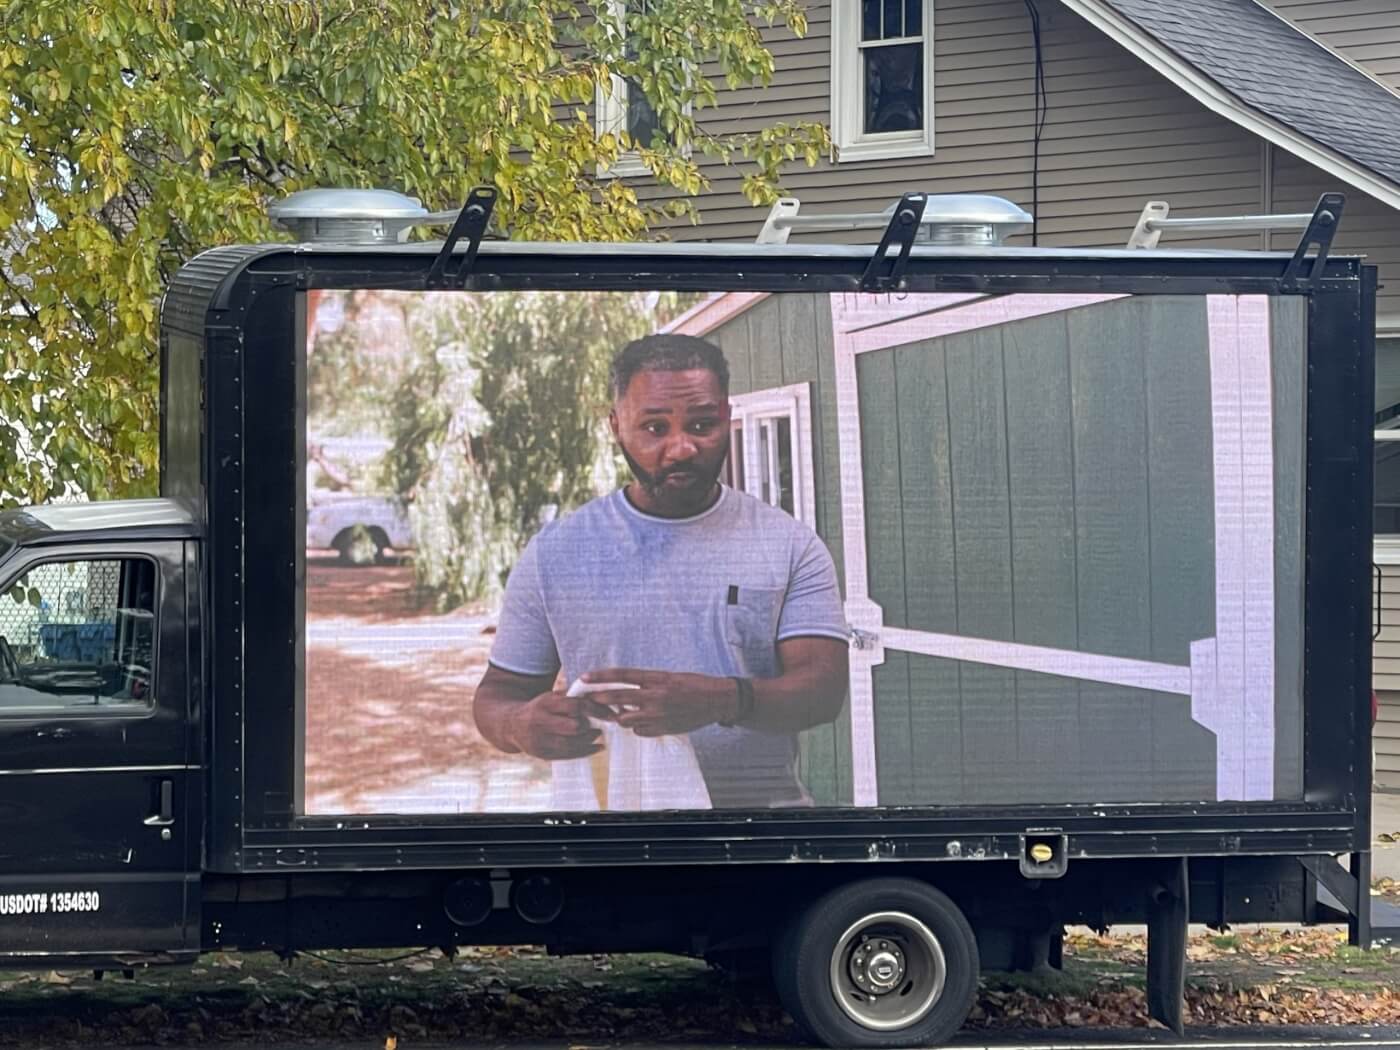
166 814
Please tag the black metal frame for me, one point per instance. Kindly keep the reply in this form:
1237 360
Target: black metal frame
251 461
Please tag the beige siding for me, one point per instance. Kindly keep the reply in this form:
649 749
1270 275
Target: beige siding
1385 653
1368 227
1365 31
1116 136
1387 741
1385 678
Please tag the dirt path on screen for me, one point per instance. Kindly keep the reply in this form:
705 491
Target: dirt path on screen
388 702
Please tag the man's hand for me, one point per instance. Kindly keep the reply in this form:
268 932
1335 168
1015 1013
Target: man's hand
554 726
808 692
666 703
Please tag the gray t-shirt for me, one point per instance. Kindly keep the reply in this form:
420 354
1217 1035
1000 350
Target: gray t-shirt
610 586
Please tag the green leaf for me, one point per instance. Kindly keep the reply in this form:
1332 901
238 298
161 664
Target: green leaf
144 165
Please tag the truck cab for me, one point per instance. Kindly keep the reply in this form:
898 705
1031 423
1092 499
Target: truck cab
99 755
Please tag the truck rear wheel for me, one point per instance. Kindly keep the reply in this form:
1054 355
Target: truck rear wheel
878 963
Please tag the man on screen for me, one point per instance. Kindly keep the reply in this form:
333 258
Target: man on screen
724 611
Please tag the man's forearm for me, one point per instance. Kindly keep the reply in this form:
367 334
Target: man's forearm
496 701
492 715
808 693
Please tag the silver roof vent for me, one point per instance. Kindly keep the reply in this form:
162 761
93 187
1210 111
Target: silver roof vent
962 219
350 216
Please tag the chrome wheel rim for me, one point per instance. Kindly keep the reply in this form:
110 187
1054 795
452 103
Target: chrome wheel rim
887 971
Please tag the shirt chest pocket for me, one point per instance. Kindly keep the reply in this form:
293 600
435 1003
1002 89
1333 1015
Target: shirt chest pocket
751 617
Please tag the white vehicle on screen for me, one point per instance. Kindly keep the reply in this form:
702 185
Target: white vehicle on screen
362 529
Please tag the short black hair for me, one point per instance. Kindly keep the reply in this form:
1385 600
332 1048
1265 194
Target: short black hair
666 352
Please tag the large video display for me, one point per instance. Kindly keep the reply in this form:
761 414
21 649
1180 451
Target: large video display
573 552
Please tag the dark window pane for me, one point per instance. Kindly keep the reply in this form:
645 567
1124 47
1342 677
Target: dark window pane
642 122
870 19
913 17
1387 379
78 635
894 88
785 497
1387 488
736 457
894 19
765 462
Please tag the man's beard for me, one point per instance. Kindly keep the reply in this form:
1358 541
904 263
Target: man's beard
654 485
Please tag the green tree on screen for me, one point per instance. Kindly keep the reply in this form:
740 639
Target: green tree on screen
502 420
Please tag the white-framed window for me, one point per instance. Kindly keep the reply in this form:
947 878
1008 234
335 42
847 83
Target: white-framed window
770 449
625 109
882 78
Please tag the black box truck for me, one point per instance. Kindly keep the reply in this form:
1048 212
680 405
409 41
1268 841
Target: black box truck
873 612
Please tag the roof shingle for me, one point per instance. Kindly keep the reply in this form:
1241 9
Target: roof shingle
1273 68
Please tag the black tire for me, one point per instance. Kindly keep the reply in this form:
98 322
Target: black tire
813 967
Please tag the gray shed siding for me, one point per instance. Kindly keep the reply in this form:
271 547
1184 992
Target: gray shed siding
1046 482
1365 31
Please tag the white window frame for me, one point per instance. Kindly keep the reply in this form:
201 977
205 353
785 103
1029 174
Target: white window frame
848 93
610 114
794 403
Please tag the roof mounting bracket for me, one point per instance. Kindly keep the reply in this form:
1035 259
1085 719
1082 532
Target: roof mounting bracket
471 223
775 231
902 229
1321 229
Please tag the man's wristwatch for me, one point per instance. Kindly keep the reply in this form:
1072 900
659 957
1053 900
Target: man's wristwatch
744 708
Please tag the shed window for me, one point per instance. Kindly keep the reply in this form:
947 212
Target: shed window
882 78
770 449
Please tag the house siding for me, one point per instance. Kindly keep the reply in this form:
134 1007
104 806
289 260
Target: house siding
1385 672
1116 134
1387 742
1368 227
1385 679
1365 31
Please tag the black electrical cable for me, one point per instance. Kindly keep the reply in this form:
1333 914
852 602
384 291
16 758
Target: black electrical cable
1042 106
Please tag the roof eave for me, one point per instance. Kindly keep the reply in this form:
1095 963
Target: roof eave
1216 98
